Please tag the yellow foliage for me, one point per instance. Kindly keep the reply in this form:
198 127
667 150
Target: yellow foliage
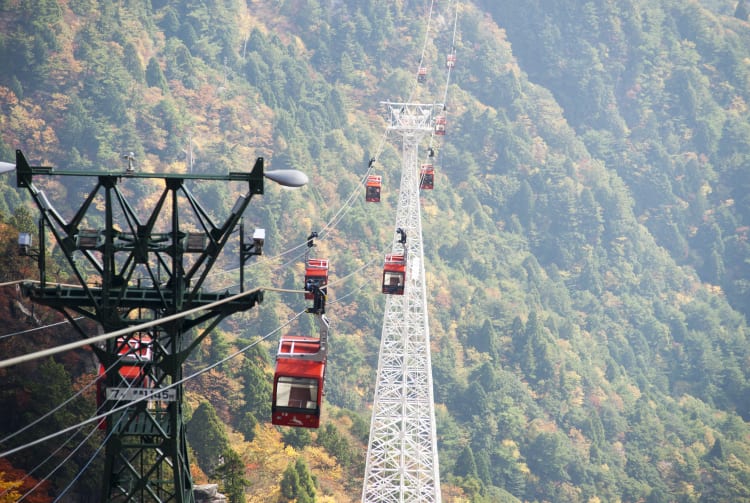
512 446
565 345
8 493
318 457
331 476
198 476
687 490
266 459
540 425
576 397
453 494
429 209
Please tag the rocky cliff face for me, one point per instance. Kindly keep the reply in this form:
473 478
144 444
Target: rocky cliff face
208 493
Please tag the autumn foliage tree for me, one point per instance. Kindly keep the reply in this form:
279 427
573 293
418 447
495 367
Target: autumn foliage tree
15 483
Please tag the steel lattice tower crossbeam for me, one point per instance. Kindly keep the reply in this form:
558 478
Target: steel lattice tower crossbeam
133 267
402 459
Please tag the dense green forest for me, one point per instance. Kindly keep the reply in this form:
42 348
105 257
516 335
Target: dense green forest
586 243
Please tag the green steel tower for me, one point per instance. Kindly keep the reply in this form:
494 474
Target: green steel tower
137 265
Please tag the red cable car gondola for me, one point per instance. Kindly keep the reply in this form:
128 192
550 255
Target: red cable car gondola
426 177
394 274
372 188
298 383
440 122
300 375
394 270
422 75
135 353
451 61
316 275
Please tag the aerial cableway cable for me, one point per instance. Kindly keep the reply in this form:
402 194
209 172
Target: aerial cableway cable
36 329
66 459
117 409
101 416
341 212
88 462
450 63
58 407
140 327
402 456
415 85
353 196
348 203
58 449
150 395
31 472
332 223
120 359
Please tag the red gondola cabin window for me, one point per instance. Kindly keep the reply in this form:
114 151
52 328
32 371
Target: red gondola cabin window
394 274
426 177
297 393
316 274
372 188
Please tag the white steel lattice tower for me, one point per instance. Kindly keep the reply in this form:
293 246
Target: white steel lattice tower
402 458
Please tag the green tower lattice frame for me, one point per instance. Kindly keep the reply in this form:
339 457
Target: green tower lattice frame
131 270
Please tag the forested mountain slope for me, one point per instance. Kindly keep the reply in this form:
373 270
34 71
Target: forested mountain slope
586 241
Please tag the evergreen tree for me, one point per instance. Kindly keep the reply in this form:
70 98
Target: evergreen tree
537 357
296 437
24 221
515 481
247 425
485 339
219 347
482 460
155 76
297 483
170 23
518 336
716 452
256 389
465 464
232 474
207 437
487 376
336 444
50 387
742 11
306 482
548 456
523 204
289 484
133 63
